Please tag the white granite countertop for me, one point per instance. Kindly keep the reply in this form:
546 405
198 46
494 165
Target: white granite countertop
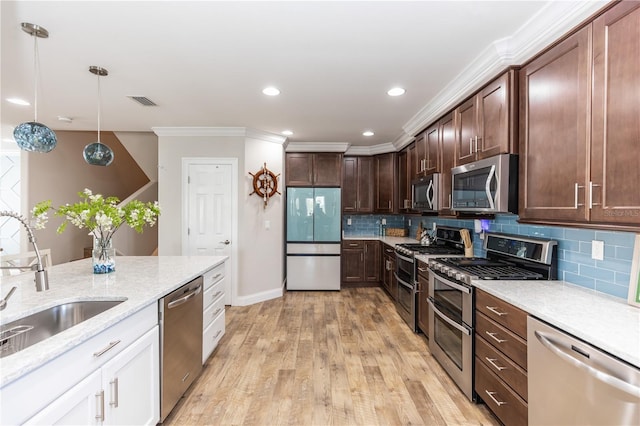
140 280
606 322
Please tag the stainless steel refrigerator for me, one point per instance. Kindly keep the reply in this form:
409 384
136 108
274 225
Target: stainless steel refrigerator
313 238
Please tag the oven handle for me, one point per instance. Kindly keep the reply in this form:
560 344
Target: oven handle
458 287
448 320
408 259
402 282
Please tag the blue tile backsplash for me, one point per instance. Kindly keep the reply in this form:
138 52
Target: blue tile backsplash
575 265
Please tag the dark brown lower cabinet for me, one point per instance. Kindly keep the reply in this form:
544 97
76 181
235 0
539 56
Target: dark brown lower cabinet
360 261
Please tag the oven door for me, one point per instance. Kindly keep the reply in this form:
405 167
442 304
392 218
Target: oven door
450 329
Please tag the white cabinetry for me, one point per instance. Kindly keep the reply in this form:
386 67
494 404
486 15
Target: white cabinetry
213 324
123 392
64 389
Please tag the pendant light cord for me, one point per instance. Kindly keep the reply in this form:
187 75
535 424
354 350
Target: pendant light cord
35 78
99 106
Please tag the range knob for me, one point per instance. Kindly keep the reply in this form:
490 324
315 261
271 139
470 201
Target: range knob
451 273
459 276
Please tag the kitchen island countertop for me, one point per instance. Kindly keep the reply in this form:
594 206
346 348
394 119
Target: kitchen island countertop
604 321
140 280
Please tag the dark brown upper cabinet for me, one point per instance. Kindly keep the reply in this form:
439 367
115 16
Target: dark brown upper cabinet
386 183
486 123
313 169
357 185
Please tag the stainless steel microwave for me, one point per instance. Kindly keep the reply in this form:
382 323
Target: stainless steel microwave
424 193
486 186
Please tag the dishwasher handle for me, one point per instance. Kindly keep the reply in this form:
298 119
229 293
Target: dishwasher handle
184 299
597 374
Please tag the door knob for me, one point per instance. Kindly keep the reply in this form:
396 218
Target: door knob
226 242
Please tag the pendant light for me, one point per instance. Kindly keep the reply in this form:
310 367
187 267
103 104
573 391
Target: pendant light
97 153
31 135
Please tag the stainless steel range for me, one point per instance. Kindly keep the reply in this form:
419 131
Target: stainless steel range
451 295
448 242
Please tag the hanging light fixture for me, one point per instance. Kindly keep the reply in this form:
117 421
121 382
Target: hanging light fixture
97 153
31 135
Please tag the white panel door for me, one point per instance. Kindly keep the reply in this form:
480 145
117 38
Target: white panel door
209 212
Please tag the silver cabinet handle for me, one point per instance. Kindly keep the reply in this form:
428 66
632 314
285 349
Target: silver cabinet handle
593 372
422 269
353 245
494 399
591 203
495 310
216 312
106 348
100 406
476 140
492 361
217 334
218 293
216 276
470 146
575 194
493 336
114 393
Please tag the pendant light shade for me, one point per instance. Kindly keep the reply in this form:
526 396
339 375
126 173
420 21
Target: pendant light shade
97 153
33 136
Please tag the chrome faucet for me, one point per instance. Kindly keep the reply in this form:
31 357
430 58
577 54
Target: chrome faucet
42 280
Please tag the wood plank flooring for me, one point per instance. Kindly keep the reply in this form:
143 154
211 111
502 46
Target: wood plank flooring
324 358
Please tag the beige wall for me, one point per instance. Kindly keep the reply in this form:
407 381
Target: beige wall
259 262
60 174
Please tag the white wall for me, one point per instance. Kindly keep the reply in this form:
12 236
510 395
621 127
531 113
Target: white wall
260 271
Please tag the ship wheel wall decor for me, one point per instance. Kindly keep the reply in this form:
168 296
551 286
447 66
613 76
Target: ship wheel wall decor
265 184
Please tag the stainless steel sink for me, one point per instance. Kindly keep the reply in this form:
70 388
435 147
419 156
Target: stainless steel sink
27 331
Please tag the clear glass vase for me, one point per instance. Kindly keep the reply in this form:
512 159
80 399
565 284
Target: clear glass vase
104 256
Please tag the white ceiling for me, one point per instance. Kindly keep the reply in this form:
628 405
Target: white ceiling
205 62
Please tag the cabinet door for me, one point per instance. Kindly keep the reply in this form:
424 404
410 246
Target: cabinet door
466 131
372 261
350 185
327 169
352 265
494 109
83 404
615 152
412 161
554 137
447 147
423 306
385 178
365 188
299 169
404 185
432 147
420 155
131 383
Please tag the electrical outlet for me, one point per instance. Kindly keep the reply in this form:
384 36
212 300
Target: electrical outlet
267 224
349 221
384 221
597 250
409 222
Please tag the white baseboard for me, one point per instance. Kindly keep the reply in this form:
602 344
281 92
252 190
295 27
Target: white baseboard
259 297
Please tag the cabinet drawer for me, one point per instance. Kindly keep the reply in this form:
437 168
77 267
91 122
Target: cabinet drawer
388 250
505 341
507 370
213 276
504 313
423 269
211 294
212 336
353 244
210 313
505 403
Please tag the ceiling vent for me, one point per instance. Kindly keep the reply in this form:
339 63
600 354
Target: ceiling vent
143 100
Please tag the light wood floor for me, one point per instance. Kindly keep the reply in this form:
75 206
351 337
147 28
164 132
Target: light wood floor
324 358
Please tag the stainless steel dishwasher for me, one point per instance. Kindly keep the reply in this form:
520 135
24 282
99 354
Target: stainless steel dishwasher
574 383
180 343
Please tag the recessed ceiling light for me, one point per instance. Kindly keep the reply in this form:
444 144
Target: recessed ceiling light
287 132
396 91
367 133
18 101
271 91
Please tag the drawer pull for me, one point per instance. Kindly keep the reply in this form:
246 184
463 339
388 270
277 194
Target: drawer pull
353 244
422 269
216 312
114 393
107 348
492 361
495 400
217 334
495 310
218 275
218 293
493 336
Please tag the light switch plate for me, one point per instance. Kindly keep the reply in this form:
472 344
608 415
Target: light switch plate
349 221
384 221
597 250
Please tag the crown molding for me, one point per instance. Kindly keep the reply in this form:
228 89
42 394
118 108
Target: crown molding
382 148
265 136
541 30
317 146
